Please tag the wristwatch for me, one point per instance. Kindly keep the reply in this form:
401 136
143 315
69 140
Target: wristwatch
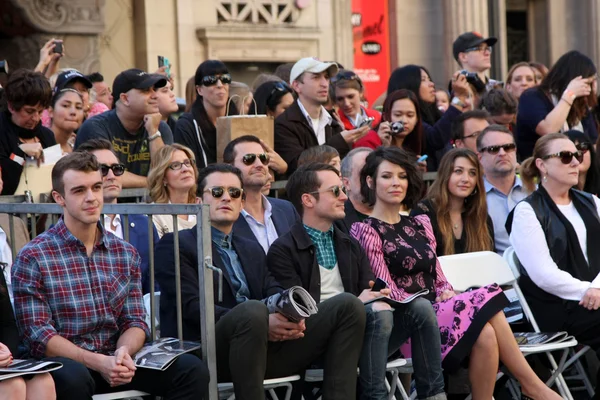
457 102
155 136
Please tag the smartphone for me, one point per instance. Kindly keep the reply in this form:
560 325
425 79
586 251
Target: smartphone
58 48
379 284
164 61
423 158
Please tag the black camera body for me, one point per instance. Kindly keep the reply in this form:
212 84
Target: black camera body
397 127
471 76
3 67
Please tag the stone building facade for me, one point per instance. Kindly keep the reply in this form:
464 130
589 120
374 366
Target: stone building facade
256 35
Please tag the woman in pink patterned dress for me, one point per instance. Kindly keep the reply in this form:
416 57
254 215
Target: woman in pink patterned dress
472 325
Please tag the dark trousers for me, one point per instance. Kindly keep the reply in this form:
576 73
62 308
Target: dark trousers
335 334
186 378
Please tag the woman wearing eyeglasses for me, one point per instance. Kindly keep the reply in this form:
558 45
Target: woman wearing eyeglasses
197 129
554 233
401 250
561 102
456 206
172 180
272 98
66 113
589 169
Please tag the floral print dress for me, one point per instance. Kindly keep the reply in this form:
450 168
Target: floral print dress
403 255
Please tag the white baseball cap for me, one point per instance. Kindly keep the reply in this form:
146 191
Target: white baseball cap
314 65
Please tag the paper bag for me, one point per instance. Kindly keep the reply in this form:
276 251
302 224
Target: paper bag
231 127
36 179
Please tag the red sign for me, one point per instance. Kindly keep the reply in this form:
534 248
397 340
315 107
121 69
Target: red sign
371 31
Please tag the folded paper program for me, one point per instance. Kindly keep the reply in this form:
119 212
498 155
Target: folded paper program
294 303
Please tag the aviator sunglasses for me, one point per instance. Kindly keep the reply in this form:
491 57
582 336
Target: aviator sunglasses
117 169
336 190
218 191
565 156
249 159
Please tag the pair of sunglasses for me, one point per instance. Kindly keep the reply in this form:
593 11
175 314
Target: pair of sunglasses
336 190
177 165
509 147
249 158
211 80
584 147
117 169
218 191
281 87
566 156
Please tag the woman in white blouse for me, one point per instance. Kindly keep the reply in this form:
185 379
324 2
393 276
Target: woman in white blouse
172 180
555 234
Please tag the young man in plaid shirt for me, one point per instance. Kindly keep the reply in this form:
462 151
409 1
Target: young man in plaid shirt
318 256
78 299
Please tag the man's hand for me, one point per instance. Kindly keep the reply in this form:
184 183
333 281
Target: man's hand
281 329
151 123
460 86
446 294
353 135
591 299
6 356
118 369
276 163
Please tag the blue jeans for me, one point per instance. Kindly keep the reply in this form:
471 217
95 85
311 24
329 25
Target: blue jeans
385 332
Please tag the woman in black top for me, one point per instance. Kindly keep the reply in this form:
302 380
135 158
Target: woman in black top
23 136
39 386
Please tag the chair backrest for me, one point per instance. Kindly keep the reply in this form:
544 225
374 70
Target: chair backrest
511 258
480 268
156 310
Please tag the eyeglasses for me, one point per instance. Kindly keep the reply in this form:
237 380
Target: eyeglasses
472 135
482 49
346 76
177 165
336 190
509 147
117 169
218 191
249 159
583 147
211 80
279 87
565 156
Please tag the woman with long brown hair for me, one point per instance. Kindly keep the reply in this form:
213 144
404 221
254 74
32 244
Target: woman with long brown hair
456 206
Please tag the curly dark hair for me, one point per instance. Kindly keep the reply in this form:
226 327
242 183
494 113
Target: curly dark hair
394 155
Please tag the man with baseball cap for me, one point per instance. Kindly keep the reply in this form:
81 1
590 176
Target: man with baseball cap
133 126
72 78
473 52
306 123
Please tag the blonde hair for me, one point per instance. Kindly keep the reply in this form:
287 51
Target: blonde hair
512 70
529 170
158 191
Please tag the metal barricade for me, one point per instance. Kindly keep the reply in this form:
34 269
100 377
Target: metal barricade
14 206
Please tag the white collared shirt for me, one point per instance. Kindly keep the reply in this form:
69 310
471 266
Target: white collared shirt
108 224
265 233
324 120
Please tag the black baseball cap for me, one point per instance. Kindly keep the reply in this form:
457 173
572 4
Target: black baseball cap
469 40
135 79
68 76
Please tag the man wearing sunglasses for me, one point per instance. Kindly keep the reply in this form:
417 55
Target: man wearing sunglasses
263 219
112 173
327 262
497 153
306 123
473 53
133 126
251 344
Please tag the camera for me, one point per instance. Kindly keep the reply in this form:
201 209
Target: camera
3 67
397 127
367 121
471 76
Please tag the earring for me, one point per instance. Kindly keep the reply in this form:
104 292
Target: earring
545 179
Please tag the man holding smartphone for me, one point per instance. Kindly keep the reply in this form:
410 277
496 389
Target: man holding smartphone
325 261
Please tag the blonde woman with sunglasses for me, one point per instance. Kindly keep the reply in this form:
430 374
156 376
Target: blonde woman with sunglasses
172 180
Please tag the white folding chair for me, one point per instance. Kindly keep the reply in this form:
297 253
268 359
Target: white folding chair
226 389
574 356
482 268
126 394
156 310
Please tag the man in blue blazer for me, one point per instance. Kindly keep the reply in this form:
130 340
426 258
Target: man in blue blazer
263 219
253 345
111 188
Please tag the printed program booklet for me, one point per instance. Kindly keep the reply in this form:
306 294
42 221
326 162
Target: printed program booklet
27 367
161 353
530 339
398 302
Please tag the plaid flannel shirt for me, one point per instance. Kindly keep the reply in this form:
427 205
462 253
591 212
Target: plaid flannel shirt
323 241
89 301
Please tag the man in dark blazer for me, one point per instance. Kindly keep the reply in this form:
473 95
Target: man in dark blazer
263 219
137 225
355 209
306 123
328 263
253 345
